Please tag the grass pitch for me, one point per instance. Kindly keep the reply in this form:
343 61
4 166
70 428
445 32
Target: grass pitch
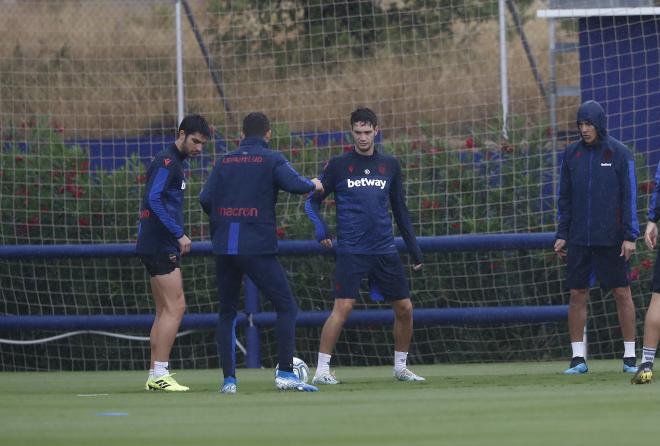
485 404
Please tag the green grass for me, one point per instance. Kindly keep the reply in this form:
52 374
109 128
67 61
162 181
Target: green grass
485 404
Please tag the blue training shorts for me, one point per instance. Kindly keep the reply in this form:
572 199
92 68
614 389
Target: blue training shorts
387 279
588 263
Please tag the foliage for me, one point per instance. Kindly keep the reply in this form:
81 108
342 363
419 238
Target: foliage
324 33
51 195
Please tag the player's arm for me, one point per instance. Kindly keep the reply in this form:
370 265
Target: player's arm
288 179
563 207
402 218
651 233
628 188
313 207
162 178
206 195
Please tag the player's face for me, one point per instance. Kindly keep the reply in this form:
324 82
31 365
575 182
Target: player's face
193 144
364 135
588 132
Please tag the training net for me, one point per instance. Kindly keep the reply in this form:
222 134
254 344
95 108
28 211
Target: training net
89 94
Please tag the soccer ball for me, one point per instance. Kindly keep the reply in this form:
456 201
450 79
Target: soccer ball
300 369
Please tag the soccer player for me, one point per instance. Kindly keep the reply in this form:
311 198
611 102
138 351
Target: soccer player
365 183
162 241
239 197
644 373
597 228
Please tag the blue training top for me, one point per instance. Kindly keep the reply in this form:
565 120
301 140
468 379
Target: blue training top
161 211
597 203
364 188
240 197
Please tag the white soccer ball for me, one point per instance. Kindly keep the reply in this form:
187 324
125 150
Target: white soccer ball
300 369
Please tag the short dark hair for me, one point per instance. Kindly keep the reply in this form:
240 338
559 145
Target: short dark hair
195 124
365 115
256 124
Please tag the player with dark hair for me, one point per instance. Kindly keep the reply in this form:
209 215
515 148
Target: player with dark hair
162 241
597 228
644 373
365 183
240 197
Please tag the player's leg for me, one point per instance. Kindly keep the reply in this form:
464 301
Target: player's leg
269 277
612 272
644 373
579 272
228 277
349 271
167 290
389 279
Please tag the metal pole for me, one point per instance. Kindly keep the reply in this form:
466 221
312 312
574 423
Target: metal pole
179 64
504 89
553 99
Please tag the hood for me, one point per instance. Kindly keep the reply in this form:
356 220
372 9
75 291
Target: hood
591 111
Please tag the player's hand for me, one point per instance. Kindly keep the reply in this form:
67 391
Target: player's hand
560 247
184 244
318 186
326 242
418 267
627 249
651 235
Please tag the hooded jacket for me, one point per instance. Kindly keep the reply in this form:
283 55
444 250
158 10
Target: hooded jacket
597 188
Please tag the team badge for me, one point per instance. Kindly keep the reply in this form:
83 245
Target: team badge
350 168
167 161
381 169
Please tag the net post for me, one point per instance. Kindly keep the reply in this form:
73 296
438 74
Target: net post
253 341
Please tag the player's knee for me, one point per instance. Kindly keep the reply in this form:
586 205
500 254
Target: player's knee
342 309
403 309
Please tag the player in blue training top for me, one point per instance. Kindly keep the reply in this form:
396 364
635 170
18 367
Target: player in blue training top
365 183
597 228
240 197
644 373
162 241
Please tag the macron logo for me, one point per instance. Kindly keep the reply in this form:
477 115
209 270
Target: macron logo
605 164
362 182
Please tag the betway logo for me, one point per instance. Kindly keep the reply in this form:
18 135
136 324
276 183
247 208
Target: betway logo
362 182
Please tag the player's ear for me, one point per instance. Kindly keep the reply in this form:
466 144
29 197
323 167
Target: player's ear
268 135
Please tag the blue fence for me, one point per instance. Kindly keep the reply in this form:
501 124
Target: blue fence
254 321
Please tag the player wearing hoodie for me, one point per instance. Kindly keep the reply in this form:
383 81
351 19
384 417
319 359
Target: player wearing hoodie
597 228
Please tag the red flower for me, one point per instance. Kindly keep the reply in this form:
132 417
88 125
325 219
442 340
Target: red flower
281 232
74 190
19 158
647 187
141 179
84 167
647 264
295 152
23 192
494 266
433 150
548 132
70 176
60 129
34 220
469 143
83 221
456 226
45 209
426 204
348 148
435 204
634 274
